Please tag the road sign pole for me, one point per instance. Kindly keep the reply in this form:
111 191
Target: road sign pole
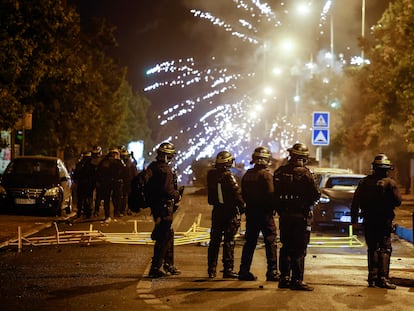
319 155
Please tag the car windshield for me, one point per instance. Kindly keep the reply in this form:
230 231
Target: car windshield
342 181
32 166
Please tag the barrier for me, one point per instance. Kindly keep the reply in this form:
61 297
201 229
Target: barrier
339 241
194 235
61 237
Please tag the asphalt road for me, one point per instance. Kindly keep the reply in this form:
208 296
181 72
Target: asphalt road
112 276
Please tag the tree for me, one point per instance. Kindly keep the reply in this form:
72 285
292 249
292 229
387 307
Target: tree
29 51
386 90
62 72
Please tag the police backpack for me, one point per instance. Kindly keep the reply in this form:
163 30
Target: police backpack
138 198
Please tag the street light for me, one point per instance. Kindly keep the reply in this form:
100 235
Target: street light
362 28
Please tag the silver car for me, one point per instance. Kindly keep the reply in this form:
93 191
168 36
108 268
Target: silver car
333 209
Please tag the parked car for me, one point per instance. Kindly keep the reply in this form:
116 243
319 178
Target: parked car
319 172
32 183
333 209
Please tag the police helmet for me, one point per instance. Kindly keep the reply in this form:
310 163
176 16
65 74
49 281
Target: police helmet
224 159
114 150
96 150
124 153
261 156
166 148
381 161
166 151
299 150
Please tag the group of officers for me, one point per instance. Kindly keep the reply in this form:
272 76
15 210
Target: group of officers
104 178
290 191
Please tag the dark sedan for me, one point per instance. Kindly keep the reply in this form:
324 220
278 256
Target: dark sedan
334 206
33 183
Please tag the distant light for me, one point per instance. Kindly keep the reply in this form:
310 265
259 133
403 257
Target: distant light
302 127
358 60
136 148
287 45
328 55
310 65
277 71
296 98
303 8
268 90
335 104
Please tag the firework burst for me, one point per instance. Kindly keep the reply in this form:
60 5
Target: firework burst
223 105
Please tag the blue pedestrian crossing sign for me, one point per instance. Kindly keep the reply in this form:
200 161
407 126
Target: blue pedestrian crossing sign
320 137
320 119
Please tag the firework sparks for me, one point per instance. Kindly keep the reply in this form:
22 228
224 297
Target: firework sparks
226 108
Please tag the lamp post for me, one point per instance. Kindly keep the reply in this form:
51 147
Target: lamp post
362 27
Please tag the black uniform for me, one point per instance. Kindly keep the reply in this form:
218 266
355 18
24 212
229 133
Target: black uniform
84 176
224 194
162 196
376 197
128 173
109 185
258 191
295 194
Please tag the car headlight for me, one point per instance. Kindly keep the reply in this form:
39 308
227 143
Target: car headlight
324 199
52 192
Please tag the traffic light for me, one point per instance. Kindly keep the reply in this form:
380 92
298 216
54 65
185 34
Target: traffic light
19 137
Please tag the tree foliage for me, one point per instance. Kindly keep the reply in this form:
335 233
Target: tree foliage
378 114
61 72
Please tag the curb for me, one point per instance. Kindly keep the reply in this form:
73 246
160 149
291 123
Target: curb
404 233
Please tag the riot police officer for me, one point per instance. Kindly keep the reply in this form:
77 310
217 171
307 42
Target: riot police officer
295 194
224 194
109 183
375 199
96 157
84 192
129 172
163 196
258 191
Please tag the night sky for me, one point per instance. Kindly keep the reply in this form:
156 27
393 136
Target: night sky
212 96
152 31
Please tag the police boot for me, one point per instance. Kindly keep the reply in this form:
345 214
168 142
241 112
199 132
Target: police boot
247 276
284 264
211 273
171 270
372 267
300 285
298 266
228 260
156 273
272 274
230 274
284 282
383 281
